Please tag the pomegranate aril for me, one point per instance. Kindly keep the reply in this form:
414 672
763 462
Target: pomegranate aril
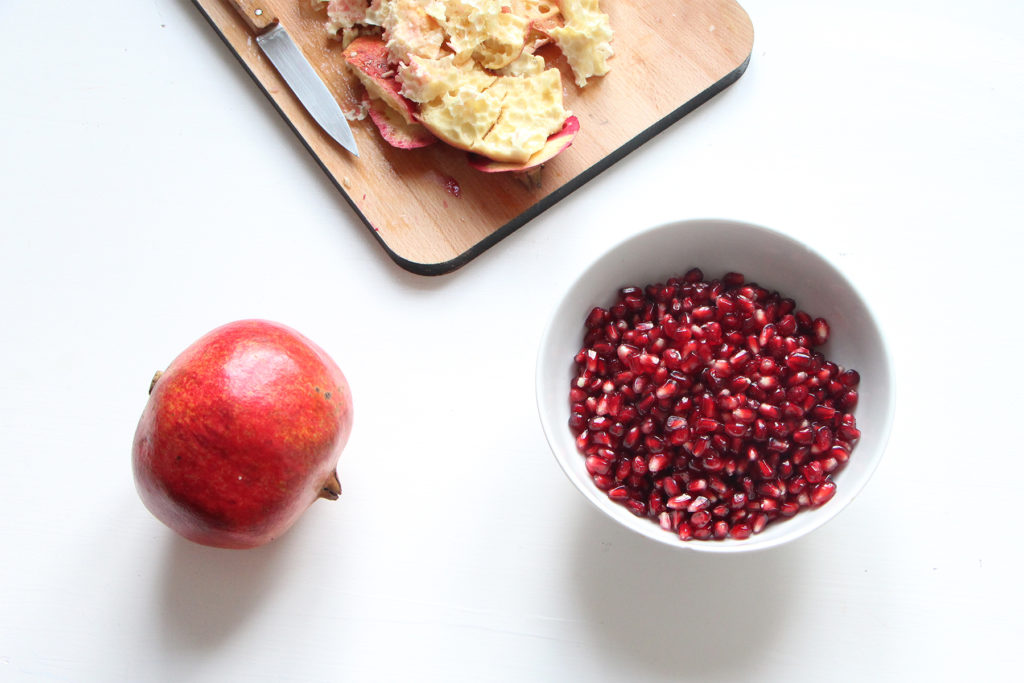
658 462
813 472
596 317
637 507
639 465
848 400
680 502
671 486
823 413
823 492
804 435
799 361
736 429
848 433
655 444
623 469
697 485
740 531
840 453
849 378
732 279
598 465
700 519
618 493
665 521
667 390
823 440
820 331
702 397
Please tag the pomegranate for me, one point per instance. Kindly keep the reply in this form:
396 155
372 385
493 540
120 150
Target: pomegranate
706 406
241 434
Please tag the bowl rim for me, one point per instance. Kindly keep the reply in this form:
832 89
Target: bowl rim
647 527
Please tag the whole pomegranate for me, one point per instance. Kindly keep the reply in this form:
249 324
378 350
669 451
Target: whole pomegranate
241 434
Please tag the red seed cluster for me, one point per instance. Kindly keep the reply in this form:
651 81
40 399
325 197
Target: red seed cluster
704 405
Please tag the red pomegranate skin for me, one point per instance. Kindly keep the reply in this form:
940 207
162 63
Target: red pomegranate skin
241 434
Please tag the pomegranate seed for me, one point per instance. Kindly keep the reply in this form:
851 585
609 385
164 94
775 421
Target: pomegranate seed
700 519
618 493
658 462
823 413
671 487
840 453
733 279
737 429
848 433
667 390
740 531
654 444
623 469
820 331
813 472
700 405
680 502
598 465
637 507
848 401
850 378
799 361
639 465
823 492
823 440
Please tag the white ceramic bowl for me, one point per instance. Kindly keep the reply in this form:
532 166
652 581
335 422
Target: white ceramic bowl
769 258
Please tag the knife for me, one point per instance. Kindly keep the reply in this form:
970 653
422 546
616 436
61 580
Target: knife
297 72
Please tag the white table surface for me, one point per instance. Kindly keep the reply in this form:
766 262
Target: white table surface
136 156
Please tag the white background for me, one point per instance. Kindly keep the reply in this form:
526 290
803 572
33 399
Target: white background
150 193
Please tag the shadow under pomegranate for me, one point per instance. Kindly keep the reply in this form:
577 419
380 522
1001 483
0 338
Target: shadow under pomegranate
207 593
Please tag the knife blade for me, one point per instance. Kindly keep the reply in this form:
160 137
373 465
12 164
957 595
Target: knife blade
296 71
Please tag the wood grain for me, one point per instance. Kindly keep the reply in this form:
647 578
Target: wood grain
427 207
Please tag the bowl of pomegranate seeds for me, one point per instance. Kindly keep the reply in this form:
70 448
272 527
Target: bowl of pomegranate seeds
715 385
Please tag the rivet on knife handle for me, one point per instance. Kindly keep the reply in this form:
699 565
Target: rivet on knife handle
255 12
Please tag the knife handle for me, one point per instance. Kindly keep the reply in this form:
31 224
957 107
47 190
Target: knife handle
256 13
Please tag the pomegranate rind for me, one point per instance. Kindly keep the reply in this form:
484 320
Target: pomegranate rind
555 145
368 58
395 130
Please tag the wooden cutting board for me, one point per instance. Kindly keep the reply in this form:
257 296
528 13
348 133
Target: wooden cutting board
427 207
